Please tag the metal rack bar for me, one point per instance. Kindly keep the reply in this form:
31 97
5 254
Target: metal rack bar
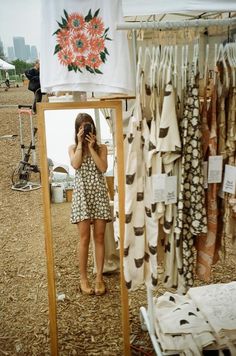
170 25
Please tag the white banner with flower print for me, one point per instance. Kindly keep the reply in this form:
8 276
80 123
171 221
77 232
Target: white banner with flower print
81 50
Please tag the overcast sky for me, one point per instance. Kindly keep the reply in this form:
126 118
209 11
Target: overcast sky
20 18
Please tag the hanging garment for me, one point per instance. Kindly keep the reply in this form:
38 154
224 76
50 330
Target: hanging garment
81 50
146 88
135 256
152 212
169 138
173 264
222 92
191 214
229 215
169 147
207 245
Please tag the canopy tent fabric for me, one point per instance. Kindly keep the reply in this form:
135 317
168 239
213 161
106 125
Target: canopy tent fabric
150 7
6 66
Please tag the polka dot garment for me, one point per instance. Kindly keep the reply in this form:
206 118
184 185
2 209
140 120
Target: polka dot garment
90 197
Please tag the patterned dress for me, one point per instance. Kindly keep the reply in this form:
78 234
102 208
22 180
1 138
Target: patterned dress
90 197
191 215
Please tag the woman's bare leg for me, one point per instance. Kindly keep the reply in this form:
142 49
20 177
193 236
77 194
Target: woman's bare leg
99 231
83 247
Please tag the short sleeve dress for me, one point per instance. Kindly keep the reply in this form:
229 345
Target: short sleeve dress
90 196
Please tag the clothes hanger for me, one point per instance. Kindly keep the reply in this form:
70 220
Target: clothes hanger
184 65
231 60
138 72
156 68
206 65
163 82
221 58
175 66
195 57
169 68
215 63
160 69
146 73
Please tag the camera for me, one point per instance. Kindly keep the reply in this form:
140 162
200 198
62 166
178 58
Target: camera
87 129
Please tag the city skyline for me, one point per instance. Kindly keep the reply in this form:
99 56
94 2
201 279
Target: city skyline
20 50
20 19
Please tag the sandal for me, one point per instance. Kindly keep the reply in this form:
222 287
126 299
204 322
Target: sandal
85 288
100 288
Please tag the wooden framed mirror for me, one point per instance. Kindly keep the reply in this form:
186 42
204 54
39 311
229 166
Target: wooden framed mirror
43 109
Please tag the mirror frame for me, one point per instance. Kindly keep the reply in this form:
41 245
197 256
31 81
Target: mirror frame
41 108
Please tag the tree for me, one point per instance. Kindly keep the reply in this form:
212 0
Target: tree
21 66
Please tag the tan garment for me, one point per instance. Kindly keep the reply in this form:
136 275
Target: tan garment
207 251
229 216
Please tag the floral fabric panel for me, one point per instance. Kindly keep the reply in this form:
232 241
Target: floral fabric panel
81 48
81 41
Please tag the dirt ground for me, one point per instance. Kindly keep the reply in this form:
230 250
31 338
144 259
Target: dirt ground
86 325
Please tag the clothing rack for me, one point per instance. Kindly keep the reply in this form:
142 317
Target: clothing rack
171 25
146 313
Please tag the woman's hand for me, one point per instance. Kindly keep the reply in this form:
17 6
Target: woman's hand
80 134
91 140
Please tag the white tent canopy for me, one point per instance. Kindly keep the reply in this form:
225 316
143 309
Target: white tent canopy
6 66
150 7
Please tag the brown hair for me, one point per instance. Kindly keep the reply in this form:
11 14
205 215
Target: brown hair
81 119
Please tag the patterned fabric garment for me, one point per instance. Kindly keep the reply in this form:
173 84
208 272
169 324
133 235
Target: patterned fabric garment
90 197
135 256
229 215
169 147
222 92
191 214
152 166
207 246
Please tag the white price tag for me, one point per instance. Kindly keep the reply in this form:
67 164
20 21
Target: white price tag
229 185
171 190
215 165
158 187
205 167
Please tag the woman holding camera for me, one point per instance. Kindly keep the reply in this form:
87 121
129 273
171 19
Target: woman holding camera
90 202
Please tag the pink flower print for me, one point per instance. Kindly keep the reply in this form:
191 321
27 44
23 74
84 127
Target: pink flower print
93 60
80 42
65 56
95 27
79 61
63 38
97 45
76 21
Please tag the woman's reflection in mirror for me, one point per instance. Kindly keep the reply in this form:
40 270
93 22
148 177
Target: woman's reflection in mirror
90 201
